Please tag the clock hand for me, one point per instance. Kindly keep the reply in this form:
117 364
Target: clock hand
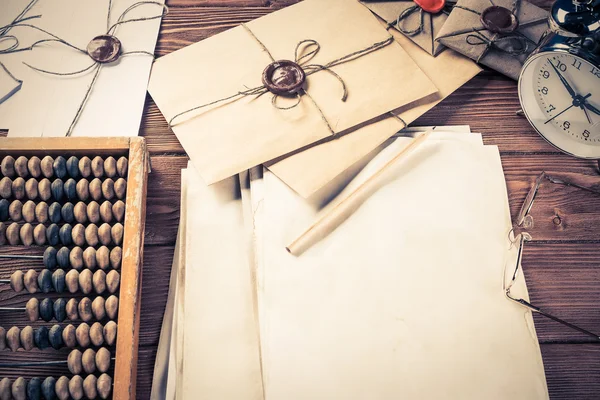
563 80
586 114
592 108
565 110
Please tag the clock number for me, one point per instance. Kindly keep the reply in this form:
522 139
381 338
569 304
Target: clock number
595 71
546 74
586 134
544 90
562 67
576 63
566 125
551 108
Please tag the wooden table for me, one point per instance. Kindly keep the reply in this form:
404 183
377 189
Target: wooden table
562 264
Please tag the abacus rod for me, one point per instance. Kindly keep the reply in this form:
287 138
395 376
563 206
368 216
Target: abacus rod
21 256
13 309
36 363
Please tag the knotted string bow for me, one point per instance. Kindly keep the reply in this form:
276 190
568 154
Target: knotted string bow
399 22
477 39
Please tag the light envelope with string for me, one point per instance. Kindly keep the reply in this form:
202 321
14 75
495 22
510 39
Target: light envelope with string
48 104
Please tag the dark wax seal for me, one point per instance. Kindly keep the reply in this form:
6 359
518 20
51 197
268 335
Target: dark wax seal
284 78
498 19
104 48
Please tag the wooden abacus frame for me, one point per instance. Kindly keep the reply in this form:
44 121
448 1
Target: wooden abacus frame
125 372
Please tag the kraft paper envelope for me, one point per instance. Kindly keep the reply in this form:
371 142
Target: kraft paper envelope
309 170
47 104
220 340
234 135
465 33
400 301
398 14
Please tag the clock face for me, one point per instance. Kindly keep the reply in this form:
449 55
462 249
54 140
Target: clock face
560 95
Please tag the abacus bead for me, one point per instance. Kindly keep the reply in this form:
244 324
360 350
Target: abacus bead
50 257
8 166
108 189
2 233
18 188
55 337
89 258
122 167
12 234
31 188
68 336
80 212
115 257
40 337
76 387
82 189
44 281
89 387
26 337
83 335
46 309
16 281
34 389
85 309
98 167
71 309
68 212
73 167
62 257
62 388
52 234
30 281
110 167
26 234
91 235
78 235
45 189
39 234
5 393
74 362
121 188
85 281
58 280
104 234
112 306
112 281
106 211
70 189
76 258
118 210
66 236
99 308
110 333
33 165
103 257
48 388
2 338
96 189
15 210
99 281
54 212
13 338
58 190
88 360
5 187
46 166
72 281
28 211
18 389
97 338
85 166
41 212
21 167
93 212
60 167
60 309
32 309
104 386
4 206
103 359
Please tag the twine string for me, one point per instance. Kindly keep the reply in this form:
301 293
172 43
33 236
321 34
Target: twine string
399 22
496 41
121 20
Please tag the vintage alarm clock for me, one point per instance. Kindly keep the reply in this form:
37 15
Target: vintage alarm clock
559 85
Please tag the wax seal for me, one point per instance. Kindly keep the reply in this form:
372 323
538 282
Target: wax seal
284 78
431 6
104 48
498 19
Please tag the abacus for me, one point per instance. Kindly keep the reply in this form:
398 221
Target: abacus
72 215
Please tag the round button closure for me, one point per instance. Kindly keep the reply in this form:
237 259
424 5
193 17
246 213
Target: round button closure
498 19
284 78
104 48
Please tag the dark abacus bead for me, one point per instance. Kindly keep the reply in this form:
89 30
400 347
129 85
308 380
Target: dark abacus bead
70 189
55 337
54 212
58 281
60 312
4 205
68 213
41 338
46 309
48 388
50 257
57 188
2 338
2 233
62 257
65 235
73 167
60 167
45 281
34 389
52 235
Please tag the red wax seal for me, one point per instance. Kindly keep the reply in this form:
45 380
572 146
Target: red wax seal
284 78
104 48
498 19
431 6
